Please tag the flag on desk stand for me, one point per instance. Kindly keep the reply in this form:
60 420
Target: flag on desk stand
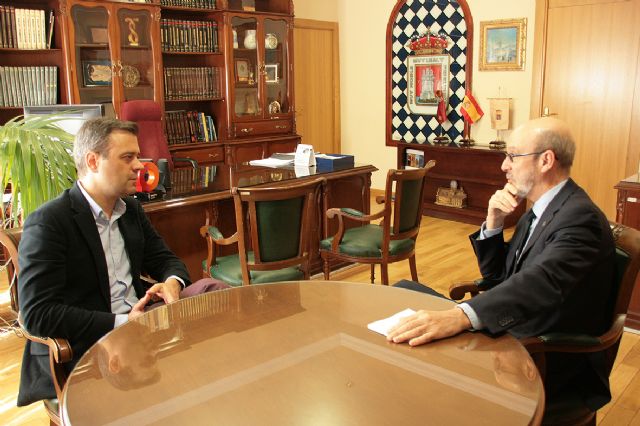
471 112
470 109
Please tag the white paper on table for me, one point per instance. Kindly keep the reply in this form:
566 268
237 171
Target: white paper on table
271 162
384 325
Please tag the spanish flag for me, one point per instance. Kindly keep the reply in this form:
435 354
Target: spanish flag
470 109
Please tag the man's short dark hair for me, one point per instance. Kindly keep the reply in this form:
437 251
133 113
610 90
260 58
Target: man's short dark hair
93 136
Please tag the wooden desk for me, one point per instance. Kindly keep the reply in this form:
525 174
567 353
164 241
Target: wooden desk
191 203
300 353
628 213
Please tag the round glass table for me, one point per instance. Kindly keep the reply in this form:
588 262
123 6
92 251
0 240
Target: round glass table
298 353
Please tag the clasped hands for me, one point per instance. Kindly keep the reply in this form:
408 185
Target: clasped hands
168 291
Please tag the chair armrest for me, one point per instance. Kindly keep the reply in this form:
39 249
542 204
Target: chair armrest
574 342
214 238
353 214
59 348
217 237
348 213
191 161
457 291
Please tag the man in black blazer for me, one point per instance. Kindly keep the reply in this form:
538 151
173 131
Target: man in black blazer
82 254
556 274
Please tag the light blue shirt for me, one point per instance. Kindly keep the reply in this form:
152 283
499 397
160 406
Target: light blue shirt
538 209
123 295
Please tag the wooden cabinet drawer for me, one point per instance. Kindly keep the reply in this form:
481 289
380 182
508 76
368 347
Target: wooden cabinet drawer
204 155
251 128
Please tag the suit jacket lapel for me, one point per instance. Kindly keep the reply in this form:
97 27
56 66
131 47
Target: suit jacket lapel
87 225
549 213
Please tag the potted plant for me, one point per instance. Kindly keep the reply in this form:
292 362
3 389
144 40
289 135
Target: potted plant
36 162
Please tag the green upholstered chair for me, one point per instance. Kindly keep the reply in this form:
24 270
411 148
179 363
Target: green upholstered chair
570 410
273 243
59 349
392 240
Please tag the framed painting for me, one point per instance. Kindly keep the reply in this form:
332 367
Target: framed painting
502 45
428 83
242 70
96 73
271 71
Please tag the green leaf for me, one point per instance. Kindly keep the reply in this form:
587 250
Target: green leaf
36 160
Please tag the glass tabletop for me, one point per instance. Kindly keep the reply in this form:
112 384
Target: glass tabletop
297 353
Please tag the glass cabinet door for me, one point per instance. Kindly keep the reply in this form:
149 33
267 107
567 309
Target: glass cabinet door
135 65
245 67
93 64
276 65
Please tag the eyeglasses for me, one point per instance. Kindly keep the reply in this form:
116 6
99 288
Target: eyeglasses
511 156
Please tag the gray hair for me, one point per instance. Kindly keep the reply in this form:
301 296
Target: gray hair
94 135
560 142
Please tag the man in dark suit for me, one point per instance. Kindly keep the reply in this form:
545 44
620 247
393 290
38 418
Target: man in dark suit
556 274
82 254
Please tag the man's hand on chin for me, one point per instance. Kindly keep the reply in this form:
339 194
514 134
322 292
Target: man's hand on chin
426 326
169 291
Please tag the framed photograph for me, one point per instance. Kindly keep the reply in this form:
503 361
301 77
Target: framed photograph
502 44
271 71
96 73
242 70
427 83
99 35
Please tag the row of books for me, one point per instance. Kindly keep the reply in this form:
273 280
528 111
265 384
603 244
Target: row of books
189 179
27 86
178 35
189 127
197 4
414 159
188 83
25 28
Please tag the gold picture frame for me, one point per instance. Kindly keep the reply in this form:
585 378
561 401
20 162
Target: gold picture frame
503 45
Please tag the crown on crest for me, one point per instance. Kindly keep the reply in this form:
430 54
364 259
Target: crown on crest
428 43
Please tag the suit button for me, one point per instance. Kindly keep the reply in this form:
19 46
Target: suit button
503 322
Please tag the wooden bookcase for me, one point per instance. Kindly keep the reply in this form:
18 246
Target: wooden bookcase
476 170
110 51
628 213
54 56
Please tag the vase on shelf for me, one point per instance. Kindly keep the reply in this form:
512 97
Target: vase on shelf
250 39
235 39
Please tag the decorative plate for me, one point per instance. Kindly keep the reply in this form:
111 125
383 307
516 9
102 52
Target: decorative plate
130 76
271 41
274 107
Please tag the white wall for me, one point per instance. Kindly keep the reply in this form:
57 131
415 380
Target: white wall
363 25
320 10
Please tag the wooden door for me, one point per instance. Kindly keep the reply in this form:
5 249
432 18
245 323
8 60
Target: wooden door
586 72
317 84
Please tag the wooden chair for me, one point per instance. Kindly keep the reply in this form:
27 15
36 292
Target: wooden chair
277 232
570 410
390 241
59 349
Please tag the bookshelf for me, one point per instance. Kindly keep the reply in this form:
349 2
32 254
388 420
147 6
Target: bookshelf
34 64
181 54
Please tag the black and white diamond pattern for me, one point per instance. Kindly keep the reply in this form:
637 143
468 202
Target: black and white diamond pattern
415 16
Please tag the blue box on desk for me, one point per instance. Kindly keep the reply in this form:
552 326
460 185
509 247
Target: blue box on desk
337 161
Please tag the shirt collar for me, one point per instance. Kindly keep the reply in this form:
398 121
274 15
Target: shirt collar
118 210
541 205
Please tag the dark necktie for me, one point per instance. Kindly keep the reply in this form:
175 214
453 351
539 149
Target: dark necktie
529 218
